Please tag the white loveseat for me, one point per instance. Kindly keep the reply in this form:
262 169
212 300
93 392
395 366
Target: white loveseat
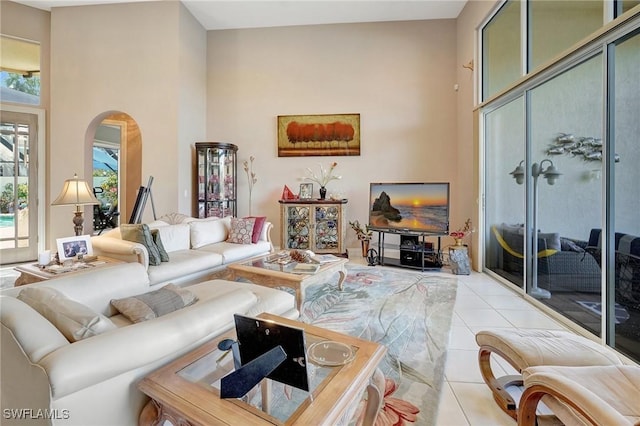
196 248
93 381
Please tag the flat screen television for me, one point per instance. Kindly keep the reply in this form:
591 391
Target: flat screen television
409 207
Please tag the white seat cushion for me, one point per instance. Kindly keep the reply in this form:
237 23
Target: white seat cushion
269 300
232 252
183 262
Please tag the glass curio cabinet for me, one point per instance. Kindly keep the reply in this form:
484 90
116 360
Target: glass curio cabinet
316 225
216 165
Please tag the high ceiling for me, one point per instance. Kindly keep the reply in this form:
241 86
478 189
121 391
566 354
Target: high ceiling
24 57
232 14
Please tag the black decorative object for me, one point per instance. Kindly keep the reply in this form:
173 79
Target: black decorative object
242 380
372 257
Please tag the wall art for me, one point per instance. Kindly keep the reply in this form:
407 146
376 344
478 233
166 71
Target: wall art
318 135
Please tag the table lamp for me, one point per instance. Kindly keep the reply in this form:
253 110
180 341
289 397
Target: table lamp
76 192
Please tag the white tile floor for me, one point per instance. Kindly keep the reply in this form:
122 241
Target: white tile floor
481 303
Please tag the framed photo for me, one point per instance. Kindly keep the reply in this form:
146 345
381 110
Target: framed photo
318 135
306 191
69 248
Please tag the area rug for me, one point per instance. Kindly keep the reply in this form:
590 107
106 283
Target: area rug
408 312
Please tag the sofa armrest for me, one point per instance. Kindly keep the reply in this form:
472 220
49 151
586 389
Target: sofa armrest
571 262
266 234
83 363
115 248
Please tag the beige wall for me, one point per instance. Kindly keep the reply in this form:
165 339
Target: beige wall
468 198
140 58
399 76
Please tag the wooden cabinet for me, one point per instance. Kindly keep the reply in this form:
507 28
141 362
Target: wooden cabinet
216 169
316 225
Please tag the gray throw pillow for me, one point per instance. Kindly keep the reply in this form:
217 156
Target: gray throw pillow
154 304
568 245
552 240
164 256
140 233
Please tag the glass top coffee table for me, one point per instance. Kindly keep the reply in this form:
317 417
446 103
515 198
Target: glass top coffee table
272 274
187 391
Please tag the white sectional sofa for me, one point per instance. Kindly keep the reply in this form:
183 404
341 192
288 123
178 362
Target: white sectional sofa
196 248
93 381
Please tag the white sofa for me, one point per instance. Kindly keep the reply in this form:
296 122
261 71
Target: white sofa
196 248
93 381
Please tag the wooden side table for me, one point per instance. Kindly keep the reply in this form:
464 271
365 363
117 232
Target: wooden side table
33 273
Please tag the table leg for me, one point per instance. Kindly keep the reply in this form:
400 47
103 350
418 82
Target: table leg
343 275
24 279
299 295
266 395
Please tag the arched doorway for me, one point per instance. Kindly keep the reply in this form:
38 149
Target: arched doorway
114 145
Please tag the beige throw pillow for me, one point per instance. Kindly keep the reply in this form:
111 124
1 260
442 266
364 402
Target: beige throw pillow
74 320
154 304
241 230
209 231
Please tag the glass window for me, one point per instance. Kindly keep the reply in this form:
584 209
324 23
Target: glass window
501 58
622 6
504 148
566 133
625 102
555 26
19 71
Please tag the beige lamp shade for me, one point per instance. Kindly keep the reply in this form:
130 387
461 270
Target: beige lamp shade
75 192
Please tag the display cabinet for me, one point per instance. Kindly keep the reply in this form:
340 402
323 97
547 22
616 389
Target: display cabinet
316 225
216 168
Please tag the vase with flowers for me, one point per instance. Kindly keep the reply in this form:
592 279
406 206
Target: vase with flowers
459 234
363 234
325 176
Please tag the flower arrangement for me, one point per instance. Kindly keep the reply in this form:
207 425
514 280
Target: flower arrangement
326 175
363 234
462 232
251 176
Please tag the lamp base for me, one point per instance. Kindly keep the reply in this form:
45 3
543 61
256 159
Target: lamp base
539 293
78 221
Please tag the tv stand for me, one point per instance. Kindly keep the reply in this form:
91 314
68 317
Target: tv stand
415 251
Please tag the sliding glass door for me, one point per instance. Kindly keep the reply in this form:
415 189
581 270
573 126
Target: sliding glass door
623 249
505 206
561 196
566 134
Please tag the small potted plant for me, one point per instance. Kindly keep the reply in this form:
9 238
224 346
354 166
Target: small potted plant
461 233
363 234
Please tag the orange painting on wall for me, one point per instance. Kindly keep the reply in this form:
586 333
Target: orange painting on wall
318 135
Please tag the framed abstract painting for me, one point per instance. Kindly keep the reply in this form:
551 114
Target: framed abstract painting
318 135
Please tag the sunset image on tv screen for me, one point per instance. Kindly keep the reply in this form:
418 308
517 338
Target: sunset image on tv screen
417 207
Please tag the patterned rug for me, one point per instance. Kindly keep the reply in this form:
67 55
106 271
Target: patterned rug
408 312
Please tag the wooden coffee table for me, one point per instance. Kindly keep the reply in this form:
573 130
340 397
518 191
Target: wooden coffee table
261 272
185 391
33 273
